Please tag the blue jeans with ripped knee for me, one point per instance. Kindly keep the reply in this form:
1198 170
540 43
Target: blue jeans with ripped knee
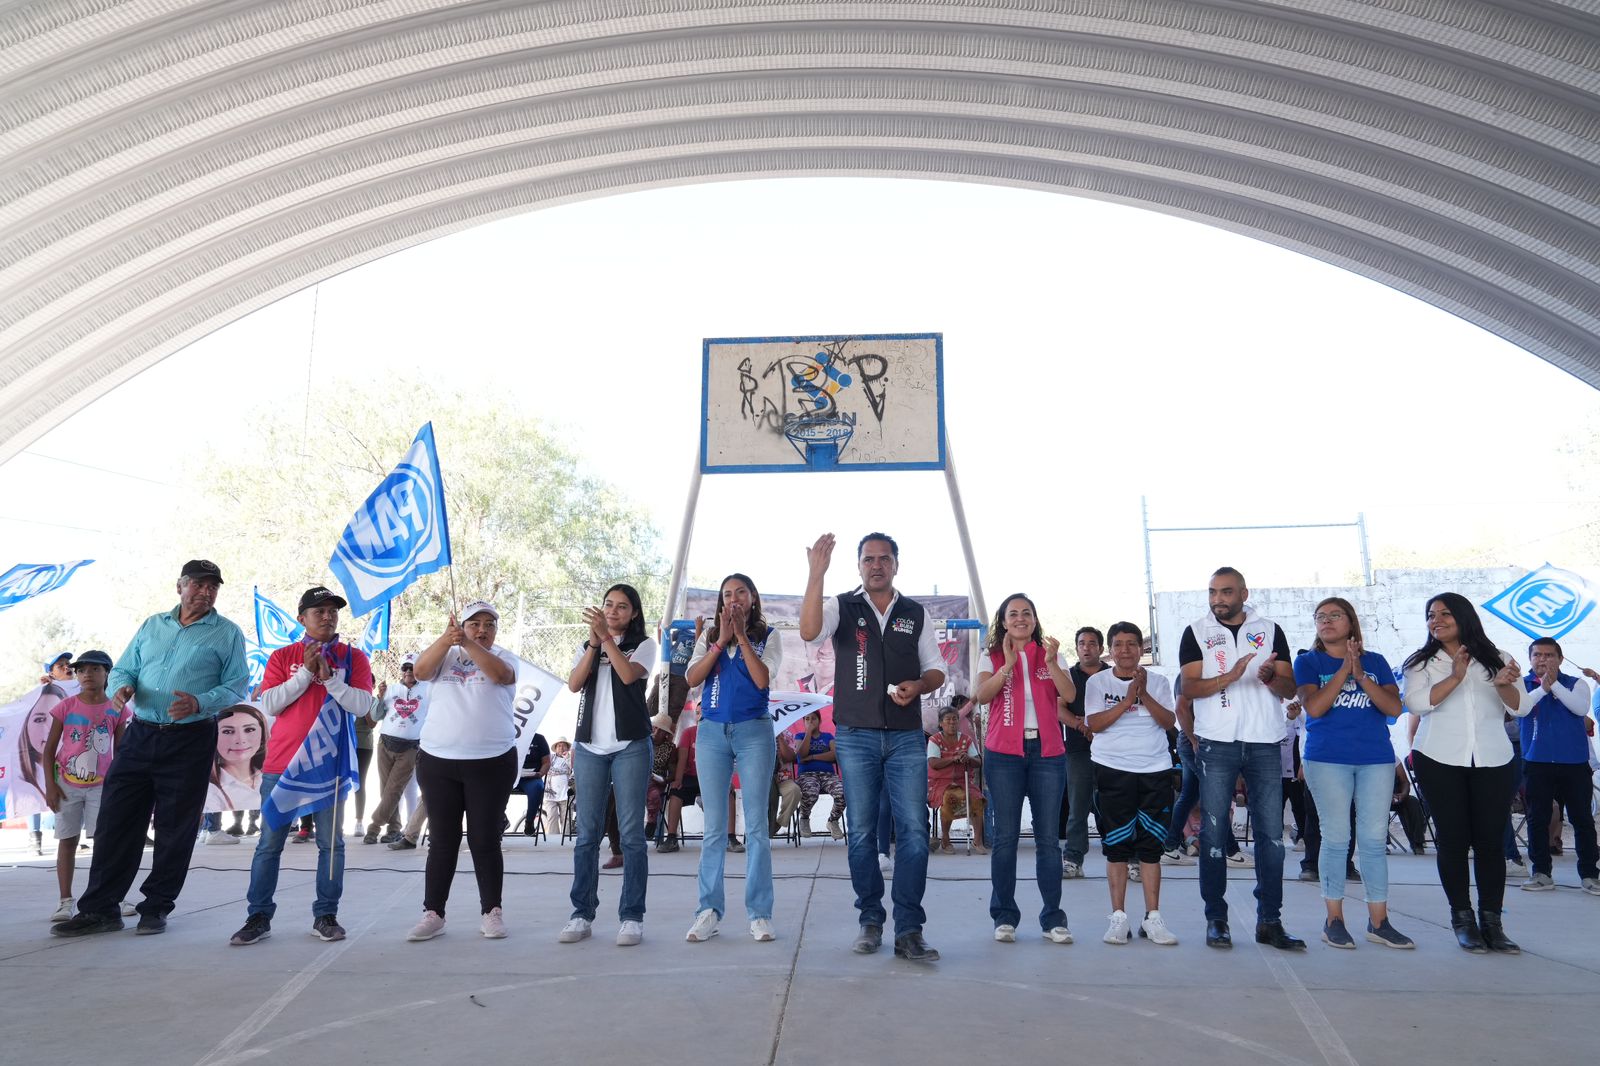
1220 764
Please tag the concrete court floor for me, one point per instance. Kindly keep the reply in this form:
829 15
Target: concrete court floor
187 997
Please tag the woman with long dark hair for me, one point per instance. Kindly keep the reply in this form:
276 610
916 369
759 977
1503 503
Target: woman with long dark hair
1460 687
612 757
735 660
1349 695
1024 756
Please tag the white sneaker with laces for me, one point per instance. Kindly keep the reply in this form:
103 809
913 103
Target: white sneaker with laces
128 909
1242 860
575 930
629 934
432 925
1006 934
1156 930
63 911
215 837
1059 935
1175 857
703 929
1070 869
1117 931
886 864
761 930
1591 885
493 925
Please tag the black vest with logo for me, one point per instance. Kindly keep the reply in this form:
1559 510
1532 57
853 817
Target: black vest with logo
627 702
867 662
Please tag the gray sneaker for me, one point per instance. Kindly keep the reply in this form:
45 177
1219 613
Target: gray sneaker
1539 883
1335 935
1591 885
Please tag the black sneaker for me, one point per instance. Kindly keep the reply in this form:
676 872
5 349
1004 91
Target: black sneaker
390 837
85 924
327 927
150 925
371 837
257 928
1335 935
1389 936
401 845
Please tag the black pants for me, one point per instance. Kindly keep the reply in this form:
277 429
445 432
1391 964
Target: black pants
1409 808
476 788
161 770
1470 806
1568 784
363 760
1313 831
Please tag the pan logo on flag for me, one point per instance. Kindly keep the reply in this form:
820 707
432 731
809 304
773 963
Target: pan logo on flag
1549 602
392 532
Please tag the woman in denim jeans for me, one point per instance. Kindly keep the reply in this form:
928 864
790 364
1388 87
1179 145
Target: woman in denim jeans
1349 694
735 659
612 756
1024 756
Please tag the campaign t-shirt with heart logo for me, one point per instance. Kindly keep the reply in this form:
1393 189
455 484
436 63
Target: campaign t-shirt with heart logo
404 711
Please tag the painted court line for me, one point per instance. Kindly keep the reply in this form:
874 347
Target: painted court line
1323 1035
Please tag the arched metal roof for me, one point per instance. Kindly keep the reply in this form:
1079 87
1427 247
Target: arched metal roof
168 165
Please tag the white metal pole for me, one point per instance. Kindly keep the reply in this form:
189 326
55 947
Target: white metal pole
680 559
981 612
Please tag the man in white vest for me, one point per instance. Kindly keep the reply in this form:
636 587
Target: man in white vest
1236 668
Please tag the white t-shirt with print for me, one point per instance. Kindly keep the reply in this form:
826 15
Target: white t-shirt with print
469 716
1134 742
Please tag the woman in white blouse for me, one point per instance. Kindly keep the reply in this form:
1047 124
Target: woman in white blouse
1461 687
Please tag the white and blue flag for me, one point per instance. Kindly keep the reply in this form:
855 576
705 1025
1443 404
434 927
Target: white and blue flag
399 534
27 580
1549 602
275 627
324 770
255 660
375 636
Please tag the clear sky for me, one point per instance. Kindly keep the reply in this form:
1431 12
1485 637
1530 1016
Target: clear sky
1093 353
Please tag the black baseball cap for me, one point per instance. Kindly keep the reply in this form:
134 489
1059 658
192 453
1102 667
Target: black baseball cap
92 658
319 595
201 568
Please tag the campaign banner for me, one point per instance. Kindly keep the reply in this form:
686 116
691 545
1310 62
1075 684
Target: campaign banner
27 580
275 627
24 728
787 708
241 751
255 661
536 693
1549 602
399 534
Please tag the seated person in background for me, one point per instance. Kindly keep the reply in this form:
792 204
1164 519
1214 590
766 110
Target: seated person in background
952 780
666 758
558 783
785 794
818 771
1409 808
684 790
531 781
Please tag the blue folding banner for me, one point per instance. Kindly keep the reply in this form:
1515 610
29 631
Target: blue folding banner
375 636
399 534
27 580
275 627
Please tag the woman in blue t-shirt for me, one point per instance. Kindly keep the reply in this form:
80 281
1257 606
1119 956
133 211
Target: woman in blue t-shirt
1349 695
735 660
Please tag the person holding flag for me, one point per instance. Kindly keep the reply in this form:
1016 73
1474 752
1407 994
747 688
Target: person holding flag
316 674
468 762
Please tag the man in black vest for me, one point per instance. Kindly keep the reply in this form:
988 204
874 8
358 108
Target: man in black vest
887 659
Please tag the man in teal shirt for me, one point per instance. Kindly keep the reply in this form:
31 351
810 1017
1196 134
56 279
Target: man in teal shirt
180 670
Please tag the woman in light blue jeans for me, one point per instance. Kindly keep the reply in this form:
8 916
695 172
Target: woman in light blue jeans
1349 695
735 660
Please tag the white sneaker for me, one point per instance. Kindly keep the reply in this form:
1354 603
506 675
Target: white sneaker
1070 869
493 925
1515 867
1175 857
629 934
703 929
128 909
1591 885
575 930
886 864
1156 930
432 925
1117 931
1242 860
219 837
761 930
1059 935
1006 934
1135 874
63 911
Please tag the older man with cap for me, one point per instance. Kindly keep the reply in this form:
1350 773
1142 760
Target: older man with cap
300 678
400 713
182 667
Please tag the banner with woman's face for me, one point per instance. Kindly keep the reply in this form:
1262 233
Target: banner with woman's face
24 728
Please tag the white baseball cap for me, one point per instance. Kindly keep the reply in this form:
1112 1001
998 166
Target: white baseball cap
479 607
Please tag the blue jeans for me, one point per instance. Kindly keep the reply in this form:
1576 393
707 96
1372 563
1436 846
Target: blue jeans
1042 780
875 761
1334 786
1220 764
885 824
717 745
1188 796
625 774
1079 793
269 852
